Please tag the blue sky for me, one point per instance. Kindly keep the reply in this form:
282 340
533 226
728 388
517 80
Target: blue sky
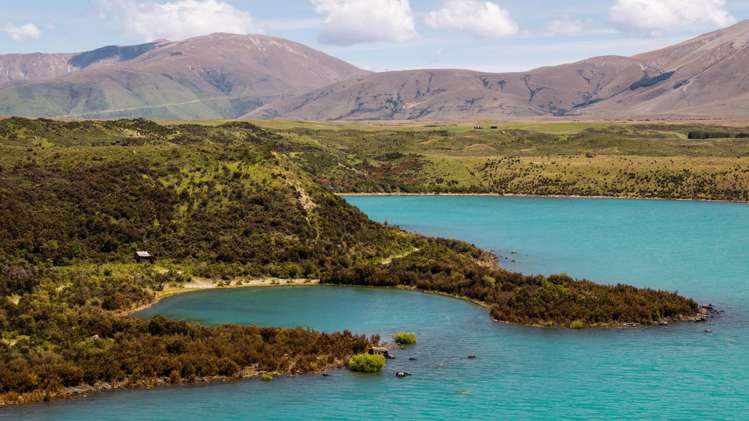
496 35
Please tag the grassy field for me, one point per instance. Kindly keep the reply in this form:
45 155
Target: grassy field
645 160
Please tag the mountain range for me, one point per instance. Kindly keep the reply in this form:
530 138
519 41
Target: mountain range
260 77
214 76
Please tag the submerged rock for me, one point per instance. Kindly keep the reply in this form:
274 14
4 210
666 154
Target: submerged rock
385 352
705 313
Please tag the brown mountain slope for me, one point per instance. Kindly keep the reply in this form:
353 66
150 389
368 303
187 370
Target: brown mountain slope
16 69
23 68
218 75
461 94
705 76
227 76
708 76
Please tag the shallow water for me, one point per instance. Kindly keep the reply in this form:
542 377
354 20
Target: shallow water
676 372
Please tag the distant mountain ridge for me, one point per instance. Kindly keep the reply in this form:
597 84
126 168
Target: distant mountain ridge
258 77
36 67
702 77
24 68
214 76
112 52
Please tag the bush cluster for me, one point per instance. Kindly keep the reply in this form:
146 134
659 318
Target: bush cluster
459 269
404 338
366 363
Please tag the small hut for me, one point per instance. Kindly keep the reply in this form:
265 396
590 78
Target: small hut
144 257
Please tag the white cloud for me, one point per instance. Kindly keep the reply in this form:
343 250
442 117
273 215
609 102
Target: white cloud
178 19
291 24
566 26
481 18
348 22
27 32
659 17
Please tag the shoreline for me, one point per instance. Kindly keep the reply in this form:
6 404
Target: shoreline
543 196
83 391
201 284
250 373
704 313
207 285
204 285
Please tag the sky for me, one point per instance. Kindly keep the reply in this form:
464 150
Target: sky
380 35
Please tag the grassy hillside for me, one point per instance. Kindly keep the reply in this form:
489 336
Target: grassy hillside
219 195
220 204
586 159
137 95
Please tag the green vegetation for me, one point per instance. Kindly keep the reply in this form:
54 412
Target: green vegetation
223 203
459 269
577 324
224 199
404 338
366 363
717 135
217 204
576 159
63 334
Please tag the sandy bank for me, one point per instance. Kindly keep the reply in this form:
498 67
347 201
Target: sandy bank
203 284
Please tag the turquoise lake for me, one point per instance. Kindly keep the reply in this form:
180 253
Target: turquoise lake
675 372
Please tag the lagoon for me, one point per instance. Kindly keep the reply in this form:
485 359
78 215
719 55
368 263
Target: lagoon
675 372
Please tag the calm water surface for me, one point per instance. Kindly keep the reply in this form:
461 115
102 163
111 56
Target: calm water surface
677 372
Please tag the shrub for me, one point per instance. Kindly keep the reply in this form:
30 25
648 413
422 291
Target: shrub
366 363
577 324
404 338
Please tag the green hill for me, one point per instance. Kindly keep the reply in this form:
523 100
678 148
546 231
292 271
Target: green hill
657 160
212 195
